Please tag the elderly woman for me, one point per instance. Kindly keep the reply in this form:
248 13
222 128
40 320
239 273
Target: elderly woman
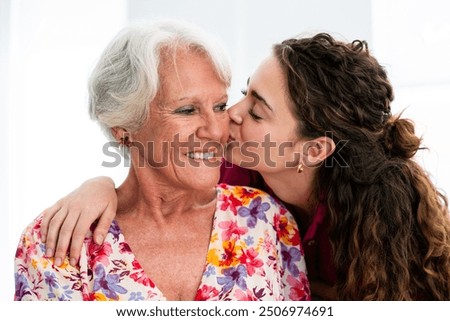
161 92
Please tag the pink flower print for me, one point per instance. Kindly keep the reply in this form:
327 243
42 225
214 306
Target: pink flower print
139 275
250 260
19 252
30 252
231 228
245 296
268 244
99 253
124 248
229 202
206 293
299 287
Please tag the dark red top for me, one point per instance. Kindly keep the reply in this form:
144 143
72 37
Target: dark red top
315 241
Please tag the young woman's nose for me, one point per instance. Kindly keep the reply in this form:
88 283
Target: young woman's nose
236 113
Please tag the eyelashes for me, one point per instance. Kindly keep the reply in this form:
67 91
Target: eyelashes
221 107
251 110
191 109
185 110
253 115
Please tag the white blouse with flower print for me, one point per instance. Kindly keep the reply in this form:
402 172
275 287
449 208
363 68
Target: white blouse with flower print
254 254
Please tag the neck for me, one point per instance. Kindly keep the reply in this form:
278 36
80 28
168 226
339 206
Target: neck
144 192
293 189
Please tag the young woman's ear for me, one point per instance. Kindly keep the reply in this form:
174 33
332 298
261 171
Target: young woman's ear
317 150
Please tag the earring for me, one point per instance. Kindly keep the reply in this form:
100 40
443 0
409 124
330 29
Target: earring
125 141
300 168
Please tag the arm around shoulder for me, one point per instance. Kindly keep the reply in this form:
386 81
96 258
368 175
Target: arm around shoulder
36 276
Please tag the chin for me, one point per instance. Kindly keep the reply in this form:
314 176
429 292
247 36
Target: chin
203 178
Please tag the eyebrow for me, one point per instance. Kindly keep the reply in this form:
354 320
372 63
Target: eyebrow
255 94
261 99
225 96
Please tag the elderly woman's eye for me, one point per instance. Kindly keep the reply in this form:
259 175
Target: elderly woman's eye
221 107
185 110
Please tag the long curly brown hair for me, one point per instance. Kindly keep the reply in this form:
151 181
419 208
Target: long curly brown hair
389 225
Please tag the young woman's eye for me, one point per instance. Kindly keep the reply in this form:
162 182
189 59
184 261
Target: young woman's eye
252 114
221 107
185 110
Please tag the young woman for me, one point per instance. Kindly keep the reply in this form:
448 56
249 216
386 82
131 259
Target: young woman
316 125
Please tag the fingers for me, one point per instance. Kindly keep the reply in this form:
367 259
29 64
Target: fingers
104 223
64 235
68 221
47 216
79 233
54 225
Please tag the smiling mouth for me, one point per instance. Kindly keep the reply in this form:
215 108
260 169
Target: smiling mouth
201 155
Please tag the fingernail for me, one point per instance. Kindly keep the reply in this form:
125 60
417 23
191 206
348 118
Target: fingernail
99 239
49 252
58 261
73 262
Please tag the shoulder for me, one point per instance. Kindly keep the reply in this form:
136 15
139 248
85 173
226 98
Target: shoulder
31 235
31 239
251 202
246 194
257 211
36 276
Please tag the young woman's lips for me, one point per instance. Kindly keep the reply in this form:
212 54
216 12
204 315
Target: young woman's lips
230 139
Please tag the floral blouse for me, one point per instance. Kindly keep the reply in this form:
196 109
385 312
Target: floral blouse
254 254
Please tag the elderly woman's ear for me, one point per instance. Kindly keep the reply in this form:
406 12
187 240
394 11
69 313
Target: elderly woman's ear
122 136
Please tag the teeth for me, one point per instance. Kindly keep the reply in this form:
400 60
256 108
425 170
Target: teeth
198 155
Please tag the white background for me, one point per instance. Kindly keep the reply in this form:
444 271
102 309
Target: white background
48 47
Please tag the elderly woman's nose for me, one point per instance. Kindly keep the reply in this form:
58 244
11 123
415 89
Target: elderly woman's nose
212 128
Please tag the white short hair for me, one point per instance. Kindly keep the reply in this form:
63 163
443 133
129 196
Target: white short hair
125 79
